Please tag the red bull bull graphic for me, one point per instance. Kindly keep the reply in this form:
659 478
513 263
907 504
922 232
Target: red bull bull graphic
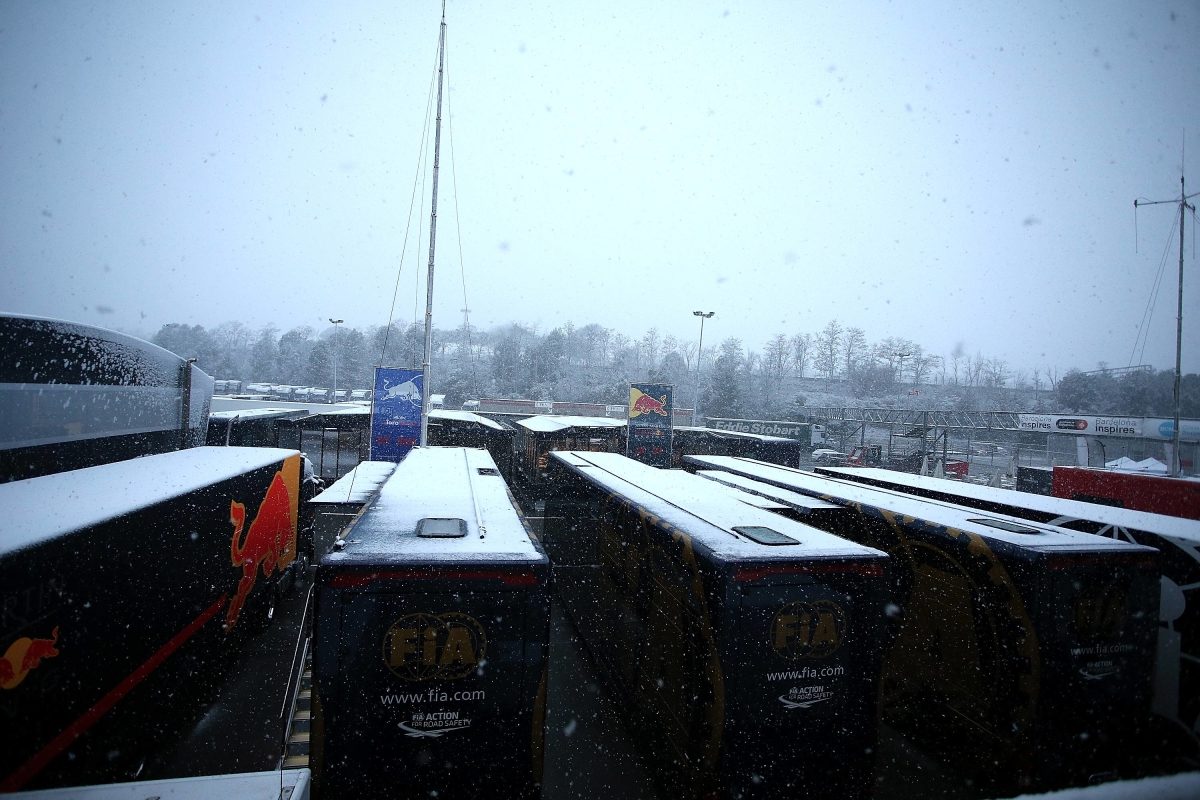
641 403
650 414
23 656
116 617
269 545
396 413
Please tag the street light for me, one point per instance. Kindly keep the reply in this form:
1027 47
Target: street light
902 356
703 315
335 322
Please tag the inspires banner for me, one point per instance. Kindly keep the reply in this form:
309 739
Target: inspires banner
396 413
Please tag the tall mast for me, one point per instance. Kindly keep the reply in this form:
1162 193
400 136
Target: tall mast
1184 206
437 146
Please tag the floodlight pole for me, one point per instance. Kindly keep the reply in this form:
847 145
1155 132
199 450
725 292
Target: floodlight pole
703 315
902 356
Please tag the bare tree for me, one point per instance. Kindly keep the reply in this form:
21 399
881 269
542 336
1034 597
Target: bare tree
649 348
922 364
893 351
975 369
828 344
688 351
956 361
777 358
1052 378
996 372
802 346
854 348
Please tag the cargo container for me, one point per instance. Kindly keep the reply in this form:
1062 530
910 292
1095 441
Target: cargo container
341 502
1158 494
1025 652
126 590
743 648
430 640
1177 671
686 440
78 396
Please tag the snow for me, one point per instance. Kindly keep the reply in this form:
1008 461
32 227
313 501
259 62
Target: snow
466 416
787 498
440 482
238 404
253 413
53 505
138 348
359 484
291 784
1185 786
1041 537
690 503
342 410
553 424
1059 507
1127 464
758 501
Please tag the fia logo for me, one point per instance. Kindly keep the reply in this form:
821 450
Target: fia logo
1100 613
422 647
808 630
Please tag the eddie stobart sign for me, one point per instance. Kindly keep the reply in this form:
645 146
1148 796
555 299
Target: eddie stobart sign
788 430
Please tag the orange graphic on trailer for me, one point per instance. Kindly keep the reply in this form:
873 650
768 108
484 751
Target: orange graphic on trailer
269 545
641 403
23 656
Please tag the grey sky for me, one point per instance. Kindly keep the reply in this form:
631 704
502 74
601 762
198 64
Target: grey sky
943 172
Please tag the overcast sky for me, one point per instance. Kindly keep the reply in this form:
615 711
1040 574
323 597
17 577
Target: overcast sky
943 172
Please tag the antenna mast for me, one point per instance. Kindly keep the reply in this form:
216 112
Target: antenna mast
1184 205
437 146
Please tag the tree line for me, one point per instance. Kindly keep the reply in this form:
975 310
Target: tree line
596 364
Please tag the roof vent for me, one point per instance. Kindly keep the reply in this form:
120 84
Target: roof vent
488 471
1005 525
757 533
441 528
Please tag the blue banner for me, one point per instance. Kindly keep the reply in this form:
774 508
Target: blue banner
395 413
650 410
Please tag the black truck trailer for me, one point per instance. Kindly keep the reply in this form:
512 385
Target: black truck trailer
430 640
744 647
1177 671
1025 651
77 396
127 590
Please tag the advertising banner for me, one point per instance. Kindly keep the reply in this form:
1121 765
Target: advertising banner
650 407
1085 425
1162 428
764 427
396 413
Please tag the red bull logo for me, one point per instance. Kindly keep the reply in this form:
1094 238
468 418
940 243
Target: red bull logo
269 545
23 656
641 403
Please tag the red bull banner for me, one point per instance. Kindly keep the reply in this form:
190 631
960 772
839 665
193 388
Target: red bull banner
396 413
650 411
